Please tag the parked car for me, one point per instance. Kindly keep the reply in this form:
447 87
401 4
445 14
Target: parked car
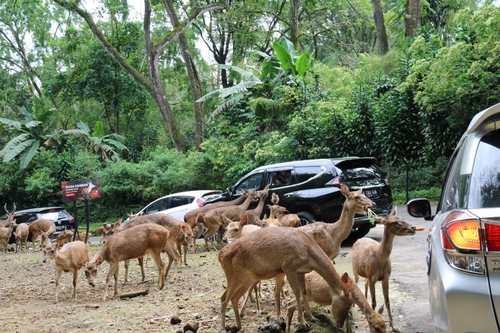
311 188
62 219
178 204
463 261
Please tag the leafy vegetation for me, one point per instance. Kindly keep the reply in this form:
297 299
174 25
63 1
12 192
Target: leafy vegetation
317 90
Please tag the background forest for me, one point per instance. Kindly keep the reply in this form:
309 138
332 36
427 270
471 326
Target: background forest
159 96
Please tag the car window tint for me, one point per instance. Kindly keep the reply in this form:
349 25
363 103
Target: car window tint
485 179
157 206
180 201
252 182
49 216
454 193
302 174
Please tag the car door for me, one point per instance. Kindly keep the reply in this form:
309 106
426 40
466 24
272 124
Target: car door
179 205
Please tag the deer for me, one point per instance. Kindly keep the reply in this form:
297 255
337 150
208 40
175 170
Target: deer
253 215
318 291
213 219
175 227
65 236
69 257
285 218
371 259
86 191
191 216
41 227
184 242
7 226
108 229
136 242
330 236
21 234
248 260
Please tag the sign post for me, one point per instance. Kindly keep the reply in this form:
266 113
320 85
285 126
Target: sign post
81 189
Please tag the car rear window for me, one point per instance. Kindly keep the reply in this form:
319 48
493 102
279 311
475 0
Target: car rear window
485 179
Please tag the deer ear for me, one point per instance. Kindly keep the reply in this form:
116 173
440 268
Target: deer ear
244 219
344 189
99 260
345 277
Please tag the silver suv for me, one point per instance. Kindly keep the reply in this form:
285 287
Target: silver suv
464 241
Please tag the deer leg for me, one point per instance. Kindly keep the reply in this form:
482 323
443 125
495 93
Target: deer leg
302 286
173 256
372 294
141 264
75 277
161 269
385 291
279 282
233 294
125 276
293 280
59 271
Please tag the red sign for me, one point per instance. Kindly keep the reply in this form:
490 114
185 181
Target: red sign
81 189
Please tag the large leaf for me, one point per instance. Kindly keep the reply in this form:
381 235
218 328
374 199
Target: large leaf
284 57
84 127
16 146
11 123
302 64
98 129
28 154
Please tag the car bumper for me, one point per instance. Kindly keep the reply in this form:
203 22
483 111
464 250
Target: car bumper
459 301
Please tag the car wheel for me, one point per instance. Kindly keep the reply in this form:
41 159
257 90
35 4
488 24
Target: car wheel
359 232
306 218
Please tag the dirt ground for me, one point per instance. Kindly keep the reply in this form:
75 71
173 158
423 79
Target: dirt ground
191 294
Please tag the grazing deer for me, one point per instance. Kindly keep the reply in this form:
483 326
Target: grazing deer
213 219
371 259
65 236
21 234
42 228
175 227
69 257
318 291
136 242
263 255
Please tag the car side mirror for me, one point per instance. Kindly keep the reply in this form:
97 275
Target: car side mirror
420 207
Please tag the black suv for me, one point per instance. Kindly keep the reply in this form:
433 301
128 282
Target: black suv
313 188
62 219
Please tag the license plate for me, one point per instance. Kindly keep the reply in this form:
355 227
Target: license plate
370 193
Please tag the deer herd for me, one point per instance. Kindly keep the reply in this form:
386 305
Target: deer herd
251 248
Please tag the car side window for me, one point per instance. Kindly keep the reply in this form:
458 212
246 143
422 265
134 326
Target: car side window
253 182
454 193
303 174
180 201
485 179
156 206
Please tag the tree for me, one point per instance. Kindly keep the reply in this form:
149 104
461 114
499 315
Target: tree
413 18
153 84
378 15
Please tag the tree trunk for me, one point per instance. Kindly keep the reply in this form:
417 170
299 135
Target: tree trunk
194 79
378 15
294 23
413 17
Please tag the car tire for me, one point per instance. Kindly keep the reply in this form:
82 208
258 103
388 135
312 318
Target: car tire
306 218
360 232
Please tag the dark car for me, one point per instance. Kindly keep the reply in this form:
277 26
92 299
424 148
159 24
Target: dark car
463 261
62 219
313 191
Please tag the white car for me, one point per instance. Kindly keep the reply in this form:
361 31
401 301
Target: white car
178 204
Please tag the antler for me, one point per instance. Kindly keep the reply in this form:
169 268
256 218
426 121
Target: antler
13 211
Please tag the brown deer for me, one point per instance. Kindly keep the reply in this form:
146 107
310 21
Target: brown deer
65 236
370 259
176 229
253 215
318 291
41 227
190 217
69 257
330 236
21 234
213 219
136 242
285 218
263 255
9 216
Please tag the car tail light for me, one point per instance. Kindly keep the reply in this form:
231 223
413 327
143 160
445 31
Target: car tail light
200 202
335 182
461 242
492 232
